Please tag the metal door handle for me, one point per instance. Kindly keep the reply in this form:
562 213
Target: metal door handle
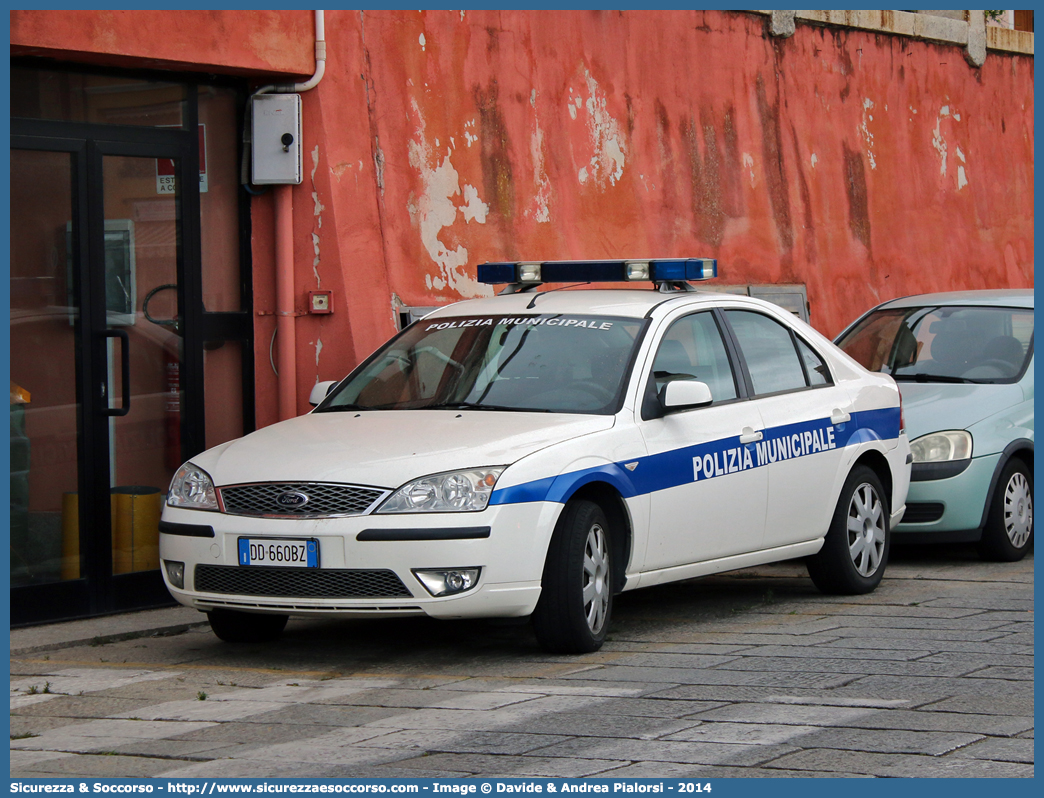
749 435
838 416
124 407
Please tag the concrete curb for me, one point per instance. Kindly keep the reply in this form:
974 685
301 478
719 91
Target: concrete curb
105 629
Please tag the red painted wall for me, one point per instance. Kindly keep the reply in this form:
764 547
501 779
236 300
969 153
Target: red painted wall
226 42
865 166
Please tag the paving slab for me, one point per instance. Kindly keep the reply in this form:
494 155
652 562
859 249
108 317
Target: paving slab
899 765
1001 751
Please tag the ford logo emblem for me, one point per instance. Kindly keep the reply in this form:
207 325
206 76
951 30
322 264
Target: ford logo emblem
292 499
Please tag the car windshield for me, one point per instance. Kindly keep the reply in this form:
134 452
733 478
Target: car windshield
539 362
944 343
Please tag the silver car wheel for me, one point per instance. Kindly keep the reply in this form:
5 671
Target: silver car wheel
1018 510
596 579
866 529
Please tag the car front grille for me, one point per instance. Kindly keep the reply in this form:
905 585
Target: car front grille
324 499
299 582
923 512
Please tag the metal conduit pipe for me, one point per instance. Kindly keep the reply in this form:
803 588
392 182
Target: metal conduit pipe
286 327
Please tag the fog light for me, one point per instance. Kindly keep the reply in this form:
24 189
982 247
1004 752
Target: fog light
175 573
447 581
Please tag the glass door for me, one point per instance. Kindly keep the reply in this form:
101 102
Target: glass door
45 361
141 383
116 332
97 400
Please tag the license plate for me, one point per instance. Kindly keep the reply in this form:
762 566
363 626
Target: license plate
284 553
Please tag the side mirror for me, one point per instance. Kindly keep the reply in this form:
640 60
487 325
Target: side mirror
681 394
319 391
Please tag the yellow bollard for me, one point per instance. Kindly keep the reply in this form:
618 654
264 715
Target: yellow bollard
135 528
70 536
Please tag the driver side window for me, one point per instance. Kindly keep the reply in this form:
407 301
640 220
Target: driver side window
692 349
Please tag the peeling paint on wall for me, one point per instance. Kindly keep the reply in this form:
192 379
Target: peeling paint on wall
868 137
748 164
607 160
938 142
435 210
378 163
541 207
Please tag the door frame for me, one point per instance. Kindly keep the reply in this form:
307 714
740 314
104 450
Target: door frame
98 590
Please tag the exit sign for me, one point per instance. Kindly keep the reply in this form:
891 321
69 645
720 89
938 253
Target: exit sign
166 179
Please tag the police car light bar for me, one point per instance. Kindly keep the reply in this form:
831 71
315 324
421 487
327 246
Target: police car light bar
660 270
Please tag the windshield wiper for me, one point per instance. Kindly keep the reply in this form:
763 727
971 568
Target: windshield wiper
476 406
923 377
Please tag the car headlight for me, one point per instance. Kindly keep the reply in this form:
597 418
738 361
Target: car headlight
941 447
193 488
452 492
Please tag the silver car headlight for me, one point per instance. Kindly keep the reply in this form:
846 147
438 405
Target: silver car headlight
193 488
941 447
452 492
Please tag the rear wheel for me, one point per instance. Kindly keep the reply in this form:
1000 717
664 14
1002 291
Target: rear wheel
233 626
855 552
576 597
1008 533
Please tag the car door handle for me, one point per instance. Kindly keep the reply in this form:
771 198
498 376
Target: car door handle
750 435
838 416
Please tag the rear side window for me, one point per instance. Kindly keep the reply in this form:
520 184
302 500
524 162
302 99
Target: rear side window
770 351
815 368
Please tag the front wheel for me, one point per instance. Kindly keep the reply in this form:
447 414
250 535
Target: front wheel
855 552
1008 533
233 626
576 596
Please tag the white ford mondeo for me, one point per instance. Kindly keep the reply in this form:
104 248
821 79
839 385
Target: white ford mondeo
539 452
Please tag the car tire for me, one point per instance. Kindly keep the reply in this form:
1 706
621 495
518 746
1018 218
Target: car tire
1008 533
233 626
855 551
576 596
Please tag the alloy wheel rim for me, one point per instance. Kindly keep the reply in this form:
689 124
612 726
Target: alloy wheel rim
866 530
1018 510
596 579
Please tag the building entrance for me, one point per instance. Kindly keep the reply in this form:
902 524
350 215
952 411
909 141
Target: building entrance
107 337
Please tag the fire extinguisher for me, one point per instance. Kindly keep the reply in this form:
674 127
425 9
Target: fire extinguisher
172 403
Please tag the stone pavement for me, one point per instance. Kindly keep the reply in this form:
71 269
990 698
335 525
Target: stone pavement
749 674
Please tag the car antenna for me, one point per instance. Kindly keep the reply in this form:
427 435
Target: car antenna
537 296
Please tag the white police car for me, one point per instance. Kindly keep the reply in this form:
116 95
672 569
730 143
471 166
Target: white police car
538 452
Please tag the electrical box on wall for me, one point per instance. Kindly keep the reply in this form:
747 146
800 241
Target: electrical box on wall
276 143
320 302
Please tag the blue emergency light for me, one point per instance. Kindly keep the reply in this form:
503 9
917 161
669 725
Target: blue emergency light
660 270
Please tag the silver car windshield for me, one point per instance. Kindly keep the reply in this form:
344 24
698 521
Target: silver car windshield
539 362
944 343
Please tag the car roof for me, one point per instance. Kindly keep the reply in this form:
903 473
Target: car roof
1004 297
599 301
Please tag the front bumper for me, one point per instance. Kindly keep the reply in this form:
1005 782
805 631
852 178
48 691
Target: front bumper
953 505
371 576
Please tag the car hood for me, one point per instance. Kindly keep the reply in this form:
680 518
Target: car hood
389 448
930 407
